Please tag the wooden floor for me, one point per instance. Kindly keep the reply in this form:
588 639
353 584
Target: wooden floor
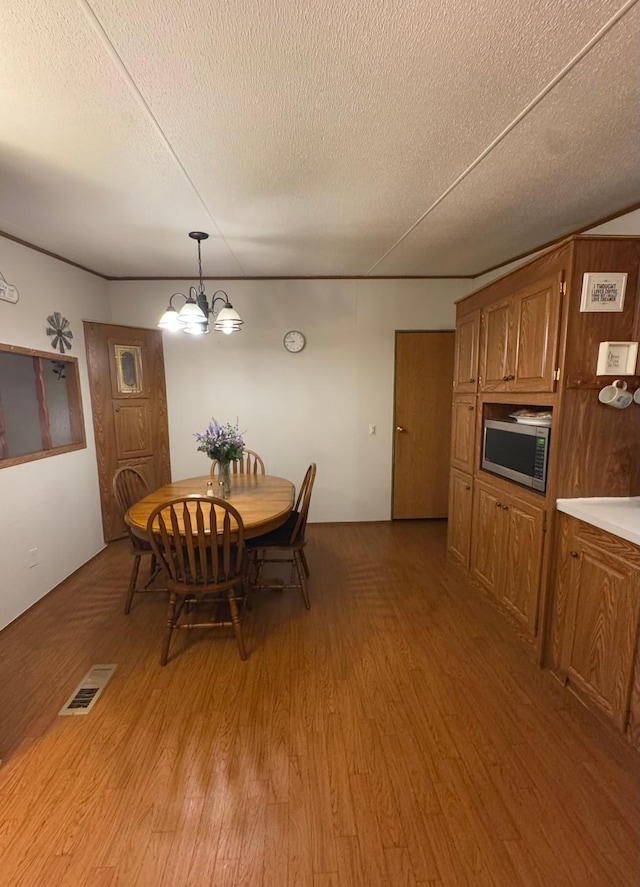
395 734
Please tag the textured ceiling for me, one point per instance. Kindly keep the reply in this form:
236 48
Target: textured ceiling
418 138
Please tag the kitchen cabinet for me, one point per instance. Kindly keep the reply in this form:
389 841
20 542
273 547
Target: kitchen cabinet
519 339
460 513
465 373
506 553
596 611
536 349
463 433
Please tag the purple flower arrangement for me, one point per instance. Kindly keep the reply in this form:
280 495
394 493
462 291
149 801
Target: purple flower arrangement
221 442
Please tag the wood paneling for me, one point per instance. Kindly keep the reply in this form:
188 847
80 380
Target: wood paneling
586 329
392 735
601 450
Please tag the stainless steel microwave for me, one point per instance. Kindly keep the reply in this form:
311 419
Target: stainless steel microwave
516 451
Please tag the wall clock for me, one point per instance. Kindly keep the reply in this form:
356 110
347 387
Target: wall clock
294 341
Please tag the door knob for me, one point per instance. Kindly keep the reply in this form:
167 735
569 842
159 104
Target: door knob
399 428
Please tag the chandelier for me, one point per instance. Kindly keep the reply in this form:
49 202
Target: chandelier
193 317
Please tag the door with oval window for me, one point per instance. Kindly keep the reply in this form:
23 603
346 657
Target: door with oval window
129 403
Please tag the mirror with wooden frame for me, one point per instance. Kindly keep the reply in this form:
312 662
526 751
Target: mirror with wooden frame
40 405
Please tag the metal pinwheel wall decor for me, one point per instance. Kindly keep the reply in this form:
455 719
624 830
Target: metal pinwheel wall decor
61 332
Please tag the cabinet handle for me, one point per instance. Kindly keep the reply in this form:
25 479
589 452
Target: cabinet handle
574 554
505 508
470 409
498 504
472 380
399 428
505 378
467 487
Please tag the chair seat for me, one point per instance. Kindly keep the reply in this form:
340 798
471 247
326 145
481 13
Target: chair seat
279 536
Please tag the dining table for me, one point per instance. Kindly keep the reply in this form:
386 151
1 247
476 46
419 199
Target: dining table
263 501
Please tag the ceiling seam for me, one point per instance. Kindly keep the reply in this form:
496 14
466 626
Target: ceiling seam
624 9
124 72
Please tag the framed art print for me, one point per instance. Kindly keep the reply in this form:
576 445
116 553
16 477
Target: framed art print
603 292
617 359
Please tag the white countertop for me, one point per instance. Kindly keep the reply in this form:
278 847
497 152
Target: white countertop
620 516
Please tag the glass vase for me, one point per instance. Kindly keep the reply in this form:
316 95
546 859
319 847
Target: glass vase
224 479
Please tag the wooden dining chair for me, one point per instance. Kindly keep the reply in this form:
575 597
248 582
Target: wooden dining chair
289 541
199 544
129 486
249 463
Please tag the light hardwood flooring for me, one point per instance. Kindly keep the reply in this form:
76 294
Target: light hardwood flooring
396 734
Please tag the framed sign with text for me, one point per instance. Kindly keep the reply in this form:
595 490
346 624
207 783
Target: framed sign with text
617 359
603 292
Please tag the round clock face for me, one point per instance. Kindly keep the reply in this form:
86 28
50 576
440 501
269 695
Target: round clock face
294 341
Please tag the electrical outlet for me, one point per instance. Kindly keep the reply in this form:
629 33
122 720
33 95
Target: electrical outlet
33 557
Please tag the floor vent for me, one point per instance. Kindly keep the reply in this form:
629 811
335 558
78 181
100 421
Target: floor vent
83 699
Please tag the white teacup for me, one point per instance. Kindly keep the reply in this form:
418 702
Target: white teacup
616 395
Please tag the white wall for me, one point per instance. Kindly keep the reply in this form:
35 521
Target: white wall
50 504
628 224
297 408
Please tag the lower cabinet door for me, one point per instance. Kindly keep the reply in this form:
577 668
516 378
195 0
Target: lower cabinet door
520 589
460 514
601 624
488 543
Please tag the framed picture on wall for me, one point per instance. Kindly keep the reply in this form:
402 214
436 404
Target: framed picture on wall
603 292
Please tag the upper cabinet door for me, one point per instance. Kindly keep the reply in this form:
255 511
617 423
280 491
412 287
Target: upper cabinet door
465 378
519 339
536 314
494 366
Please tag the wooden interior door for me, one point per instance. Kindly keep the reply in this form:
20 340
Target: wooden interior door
129 403
423 394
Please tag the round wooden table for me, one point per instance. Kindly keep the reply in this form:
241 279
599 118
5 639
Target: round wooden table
264 501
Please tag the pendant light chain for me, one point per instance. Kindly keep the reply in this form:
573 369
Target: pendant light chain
200 268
